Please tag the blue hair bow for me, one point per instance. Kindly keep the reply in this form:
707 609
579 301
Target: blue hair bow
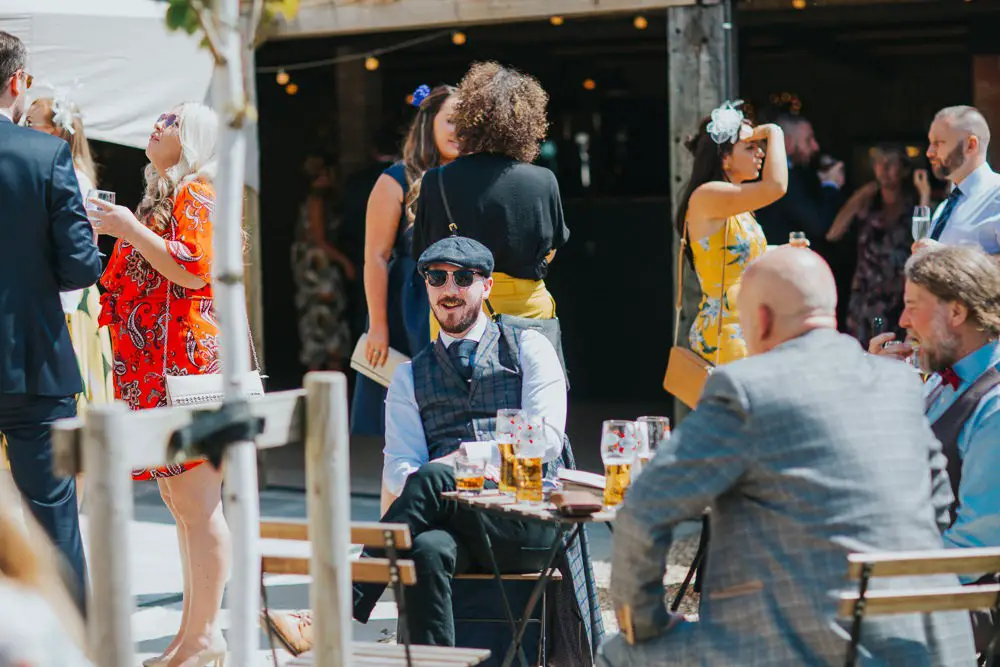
420 94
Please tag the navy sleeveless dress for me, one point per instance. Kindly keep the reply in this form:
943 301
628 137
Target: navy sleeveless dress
408 315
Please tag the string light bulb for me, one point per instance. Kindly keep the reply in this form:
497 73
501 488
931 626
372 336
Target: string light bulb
282 78
371 63
589 84
557 20
640 23
292 88
799 4
458 38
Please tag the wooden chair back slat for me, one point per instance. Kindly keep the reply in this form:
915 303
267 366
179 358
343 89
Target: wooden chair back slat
367 571
962 598
921 563
371 534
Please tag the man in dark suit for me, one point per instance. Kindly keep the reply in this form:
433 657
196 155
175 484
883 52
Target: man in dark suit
46 246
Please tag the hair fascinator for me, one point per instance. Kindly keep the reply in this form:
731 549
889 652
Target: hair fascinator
420 94
726 123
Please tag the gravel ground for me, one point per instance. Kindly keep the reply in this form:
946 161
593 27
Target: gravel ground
678 561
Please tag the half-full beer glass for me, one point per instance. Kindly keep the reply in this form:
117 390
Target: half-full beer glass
530 447
619 440
657 431
508 423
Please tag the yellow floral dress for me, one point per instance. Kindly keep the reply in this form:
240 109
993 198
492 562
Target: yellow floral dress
734 245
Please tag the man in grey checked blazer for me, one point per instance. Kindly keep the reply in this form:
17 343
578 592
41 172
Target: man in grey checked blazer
806 451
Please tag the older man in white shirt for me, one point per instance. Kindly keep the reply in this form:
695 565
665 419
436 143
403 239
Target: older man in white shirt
959 138
450 394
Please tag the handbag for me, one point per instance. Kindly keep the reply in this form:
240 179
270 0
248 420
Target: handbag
380 374
549 328
687 371
206 388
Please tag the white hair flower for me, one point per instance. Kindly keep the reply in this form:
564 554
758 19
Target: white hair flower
63 113
726 123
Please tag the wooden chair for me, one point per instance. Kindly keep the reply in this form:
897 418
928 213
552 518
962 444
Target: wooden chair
865 566
392 571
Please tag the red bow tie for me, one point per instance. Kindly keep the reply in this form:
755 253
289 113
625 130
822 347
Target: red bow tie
949 376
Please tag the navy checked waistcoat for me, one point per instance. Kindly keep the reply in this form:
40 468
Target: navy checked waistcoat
453 410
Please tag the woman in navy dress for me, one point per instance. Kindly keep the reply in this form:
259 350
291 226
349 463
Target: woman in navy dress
398 314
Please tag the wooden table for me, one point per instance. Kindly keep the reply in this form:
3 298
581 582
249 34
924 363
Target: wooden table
497 504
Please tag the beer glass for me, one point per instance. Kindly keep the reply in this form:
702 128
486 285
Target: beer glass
656 432
470 475
619 440
508 423
530 446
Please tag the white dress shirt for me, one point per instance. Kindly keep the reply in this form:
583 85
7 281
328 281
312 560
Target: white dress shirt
976 218
543 392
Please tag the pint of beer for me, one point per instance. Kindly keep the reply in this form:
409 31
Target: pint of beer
617 477
509 422
529 479
619 441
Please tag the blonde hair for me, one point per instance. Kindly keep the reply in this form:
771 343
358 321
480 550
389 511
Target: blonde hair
77 140
199 130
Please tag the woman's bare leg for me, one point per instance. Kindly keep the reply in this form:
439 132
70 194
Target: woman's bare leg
197 501
185 567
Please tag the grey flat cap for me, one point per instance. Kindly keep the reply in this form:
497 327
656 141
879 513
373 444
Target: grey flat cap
460 251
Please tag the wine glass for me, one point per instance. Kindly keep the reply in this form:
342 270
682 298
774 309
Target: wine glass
921 222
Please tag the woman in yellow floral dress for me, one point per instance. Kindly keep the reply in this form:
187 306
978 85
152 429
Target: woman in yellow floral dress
715 216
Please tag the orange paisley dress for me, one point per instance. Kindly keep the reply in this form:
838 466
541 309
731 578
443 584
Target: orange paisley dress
134 310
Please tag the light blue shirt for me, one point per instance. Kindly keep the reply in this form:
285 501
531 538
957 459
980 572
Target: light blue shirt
543 393
976 218
977 523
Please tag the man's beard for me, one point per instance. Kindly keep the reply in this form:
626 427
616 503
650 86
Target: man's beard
943 352
951 162
463 318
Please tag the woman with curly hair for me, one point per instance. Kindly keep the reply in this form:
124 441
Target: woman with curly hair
397 299
160 310
493 194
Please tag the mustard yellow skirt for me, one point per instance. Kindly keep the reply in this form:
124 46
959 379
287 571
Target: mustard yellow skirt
515 296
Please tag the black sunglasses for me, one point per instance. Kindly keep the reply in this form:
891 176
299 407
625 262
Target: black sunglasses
438 277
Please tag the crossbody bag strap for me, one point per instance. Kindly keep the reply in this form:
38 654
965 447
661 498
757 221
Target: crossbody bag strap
722 301
452 227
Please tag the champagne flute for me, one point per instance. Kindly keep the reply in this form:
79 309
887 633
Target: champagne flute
921 222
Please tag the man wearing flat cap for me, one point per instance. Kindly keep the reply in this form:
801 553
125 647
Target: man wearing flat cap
449 394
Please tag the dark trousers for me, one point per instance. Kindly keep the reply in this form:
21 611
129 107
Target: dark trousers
446 542
25 420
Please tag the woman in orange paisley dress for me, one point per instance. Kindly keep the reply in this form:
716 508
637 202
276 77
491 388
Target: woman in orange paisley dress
167 245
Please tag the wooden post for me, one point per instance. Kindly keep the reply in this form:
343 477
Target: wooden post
241 496
701 77
359 104
109 505
328 481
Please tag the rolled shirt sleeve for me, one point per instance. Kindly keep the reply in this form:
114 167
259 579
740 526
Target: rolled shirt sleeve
190 243
543 389
405 443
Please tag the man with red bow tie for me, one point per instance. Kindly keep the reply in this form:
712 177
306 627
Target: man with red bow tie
952 309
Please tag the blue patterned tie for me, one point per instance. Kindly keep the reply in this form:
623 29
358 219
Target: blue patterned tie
461 352
949 206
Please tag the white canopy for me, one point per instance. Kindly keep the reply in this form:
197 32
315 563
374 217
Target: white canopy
115 59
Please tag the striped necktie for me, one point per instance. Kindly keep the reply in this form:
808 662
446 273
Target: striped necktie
949 207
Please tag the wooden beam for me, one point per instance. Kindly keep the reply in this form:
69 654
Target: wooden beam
345 17
919 563
701 75
150 431
957 598
368 533
364 571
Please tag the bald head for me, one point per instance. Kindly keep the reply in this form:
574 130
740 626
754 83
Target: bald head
967 120
784 294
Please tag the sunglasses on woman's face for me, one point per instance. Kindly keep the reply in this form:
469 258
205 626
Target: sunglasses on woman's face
438 277
167 120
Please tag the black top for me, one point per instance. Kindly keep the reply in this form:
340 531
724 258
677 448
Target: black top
511 207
